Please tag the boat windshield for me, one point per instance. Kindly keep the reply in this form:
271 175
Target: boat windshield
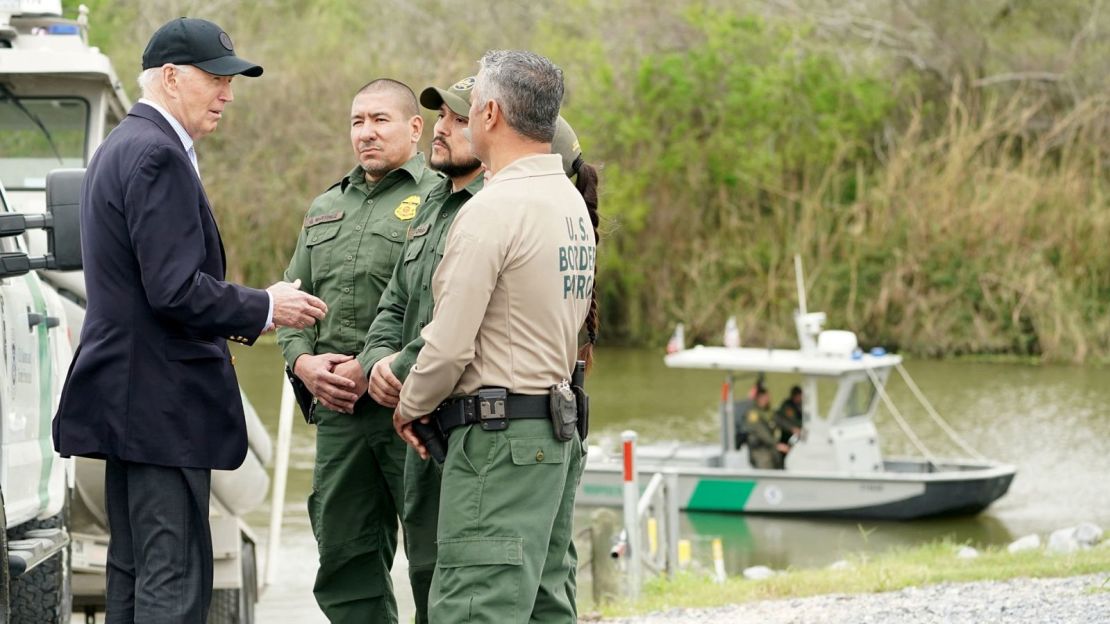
860 398
38 134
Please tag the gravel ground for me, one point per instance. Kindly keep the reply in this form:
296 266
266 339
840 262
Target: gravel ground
1078 600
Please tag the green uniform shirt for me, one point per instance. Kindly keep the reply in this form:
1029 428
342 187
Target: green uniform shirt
406 305
346 251
761 428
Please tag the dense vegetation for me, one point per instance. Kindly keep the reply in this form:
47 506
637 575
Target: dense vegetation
941 167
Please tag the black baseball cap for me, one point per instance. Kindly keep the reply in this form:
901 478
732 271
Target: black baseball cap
197 42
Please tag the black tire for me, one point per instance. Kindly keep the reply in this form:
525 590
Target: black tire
45 594
249 595
236 606
5 615
225 607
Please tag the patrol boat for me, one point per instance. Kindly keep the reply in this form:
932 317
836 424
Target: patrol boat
837 468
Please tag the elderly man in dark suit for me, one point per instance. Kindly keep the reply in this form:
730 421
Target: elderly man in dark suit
151 389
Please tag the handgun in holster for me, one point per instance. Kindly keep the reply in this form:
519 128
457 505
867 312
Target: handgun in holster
303 396
578 385
432 437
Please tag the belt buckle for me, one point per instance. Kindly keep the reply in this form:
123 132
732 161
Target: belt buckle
492 405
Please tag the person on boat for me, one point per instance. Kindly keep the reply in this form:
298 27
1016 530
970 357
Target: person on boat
789 417
766 451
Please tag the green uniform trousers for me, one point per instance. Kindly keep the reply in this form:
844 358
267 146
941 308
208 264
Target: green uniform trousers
419 519
765 458
357 490
505 527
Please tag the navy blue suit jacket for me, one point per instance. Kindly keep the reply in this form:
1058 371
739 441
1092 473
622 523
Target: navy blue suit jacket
152 380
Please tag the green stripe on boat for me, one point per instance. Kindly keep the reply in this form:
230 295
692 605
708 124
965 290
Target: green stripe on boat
719 495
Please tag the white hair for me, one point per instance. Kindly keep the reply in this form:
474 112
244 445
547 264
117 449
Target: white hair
148 79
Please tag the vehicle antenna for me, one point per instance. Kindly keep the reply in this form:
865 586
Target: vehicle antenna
800 279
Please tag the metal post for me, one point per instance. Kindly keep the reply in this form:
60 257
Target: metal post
729 424
631 517
606 580
281 471
670 502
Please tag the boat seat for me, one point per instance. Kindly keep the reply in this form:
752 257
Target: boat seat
740 409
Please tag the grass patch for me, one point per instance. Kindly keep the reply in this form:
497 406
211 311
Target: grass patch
892 571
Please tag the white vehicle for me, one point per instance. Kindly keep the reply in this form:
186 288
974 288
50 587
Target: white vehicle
59 98
36 350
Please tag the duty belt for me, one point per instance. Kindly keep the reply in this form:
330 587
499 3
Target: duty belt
492 408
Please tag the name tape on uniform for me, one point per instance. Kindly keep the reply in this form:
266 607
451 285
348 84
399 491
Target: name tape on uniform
324 218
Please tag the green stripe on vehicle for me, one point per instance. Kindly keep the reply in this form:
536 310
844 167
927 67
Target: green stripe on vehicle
720 495
46 392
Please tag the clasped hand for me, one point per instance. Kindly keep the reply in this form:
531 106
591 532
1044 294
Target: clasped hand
333 379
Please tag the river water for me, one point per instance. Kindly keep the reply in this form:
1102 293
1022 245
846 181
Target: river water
1050 421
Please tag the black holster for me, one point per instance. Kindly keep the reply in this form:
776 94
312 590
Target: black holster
304 398
578 385
433 438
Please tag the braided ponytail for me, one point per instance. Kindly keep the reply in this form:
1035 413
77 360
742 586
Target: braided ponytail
586 183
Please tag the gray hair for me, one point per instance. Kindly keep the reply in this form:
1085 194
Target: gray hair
148 78
527 87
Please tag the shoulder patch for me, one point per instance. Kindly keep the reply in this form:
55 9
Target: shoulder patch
324 218
753 416
418 231
407 208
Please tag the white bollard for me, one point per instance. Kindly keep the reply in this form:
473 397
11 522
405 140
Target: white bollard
281 471
719 560
631 521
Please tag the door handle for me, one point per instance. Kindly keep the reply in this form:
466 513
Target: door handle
34 319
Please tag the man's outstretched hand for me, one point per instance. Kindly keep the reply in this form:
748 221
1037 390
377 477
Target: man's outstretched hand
295 308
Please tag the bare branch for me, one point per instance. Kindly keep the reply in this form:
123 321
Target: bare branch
1018 77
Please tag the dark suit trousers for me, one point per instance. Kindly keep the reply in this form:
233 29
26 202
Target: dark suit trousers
160 544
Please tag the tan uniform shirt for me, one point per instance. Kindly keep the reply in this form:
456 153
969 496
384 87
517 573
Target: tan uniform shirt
511 292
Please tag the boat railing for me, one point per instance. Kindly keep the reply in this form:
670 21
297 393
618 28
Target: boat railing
937 418
649 538
904 425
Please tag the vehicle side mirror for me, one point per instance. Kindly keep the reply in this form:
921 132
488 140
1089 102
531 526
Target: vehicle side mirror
63 199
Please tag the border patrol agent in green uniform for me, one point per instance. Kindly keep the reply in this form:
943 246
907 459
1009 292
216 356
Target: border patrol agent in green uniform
509 303
789 416
764 448
350 242
406 307
393 341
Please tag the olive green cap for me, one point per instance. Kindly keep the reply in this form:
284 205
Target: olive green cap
566 145
457 98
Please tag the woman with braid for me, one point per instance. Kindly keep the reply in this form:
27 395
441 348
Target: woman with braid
584 175
512 292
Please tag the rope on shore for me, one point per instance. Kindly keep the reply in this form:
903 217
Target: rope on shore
943 424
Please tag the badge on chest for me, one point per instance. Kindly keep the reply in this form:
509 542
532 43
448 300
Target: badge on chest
407 208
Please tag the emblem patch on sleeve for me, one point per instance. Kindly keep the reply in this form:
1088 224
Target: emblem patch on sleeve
407 208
